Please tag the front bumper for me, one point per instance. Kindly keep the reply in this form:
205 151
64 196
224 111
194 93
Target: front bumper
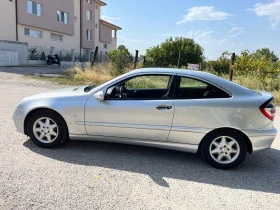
262 139
18 118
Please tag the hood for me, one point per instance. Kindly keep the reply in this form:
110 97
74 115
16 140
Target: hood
62 92
47 99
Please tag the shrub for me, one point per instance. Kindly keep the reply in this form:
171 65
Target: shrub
120 60
43 56
67 57
97 74
33 55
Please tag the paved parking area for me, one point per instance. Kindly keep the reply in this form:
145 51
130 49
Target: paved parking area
24 70
92 175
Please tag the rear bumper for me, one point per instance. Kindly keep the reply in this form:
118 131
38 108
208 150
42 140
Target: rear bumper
261 139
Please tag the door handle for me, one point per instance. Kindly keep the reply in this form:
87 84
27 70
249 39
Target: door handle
165 106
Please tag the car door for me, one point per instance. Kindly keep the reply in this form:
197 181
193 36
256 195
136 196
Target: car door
135 108
197 109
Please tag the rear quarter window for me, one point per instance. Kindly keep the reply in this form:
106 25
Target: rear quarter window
190 88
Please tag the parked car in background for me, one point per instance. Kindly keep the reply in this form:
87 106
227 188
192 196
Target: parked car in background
183 110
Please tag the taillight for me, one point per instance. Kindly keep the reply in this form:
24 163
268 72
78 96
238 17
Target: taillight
269 110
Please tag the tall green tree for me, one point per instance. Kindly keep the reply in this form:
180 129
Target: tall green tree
167 53
120 59
266 54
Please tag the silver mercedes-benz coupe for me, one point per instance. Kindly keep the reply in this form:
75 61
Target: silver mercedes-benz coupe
184 110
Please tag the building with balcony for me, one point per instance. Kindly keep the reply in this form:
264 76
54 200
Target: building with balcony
72 28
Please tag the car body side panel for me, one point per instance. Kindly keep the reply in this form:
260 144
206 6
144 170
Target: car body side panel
71 108
128 118
194 118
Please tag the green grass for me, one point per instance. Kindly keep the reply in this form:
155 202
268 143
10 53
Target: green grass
79 75
67 80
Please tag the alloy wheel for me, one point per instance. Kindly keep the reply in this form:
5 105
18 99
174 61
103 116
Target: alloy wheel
224 149
45 130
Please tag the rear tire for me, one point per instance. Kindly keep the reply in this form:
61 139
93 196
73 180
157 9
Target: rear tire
47 129
224 149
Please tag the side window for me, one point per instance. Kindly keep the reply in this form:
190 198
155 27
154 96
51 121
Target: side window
189 88
189 83
148 82
149 87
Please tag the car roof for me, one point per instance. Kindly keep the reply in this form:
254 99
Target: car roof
164 70
232 87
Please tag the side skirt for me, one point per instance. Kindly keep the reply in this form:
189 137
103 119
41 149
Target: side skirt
158 144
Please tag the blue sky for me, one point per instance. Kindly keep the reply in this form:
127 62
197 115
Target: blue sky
217 25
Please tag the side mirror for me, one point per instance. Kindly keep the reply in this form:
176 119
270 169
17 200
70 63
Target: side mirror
99 95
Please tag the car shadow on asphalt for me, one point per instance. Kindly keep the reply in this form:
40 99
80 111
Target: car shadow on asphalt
259 172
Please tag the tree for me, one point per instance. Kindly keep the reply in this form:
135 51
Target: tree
267 54
120 59
167 53
250 64
219 66
43 56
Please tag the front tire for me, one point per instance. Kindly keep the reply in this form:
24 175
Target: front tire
47 129
224 149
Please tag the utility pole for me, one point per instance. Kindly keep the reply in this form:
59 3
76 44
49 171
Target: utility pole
179 60
180 53
232 63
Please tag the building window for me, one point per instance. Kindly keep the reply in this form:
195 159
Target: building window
62 17
96 7
105 46
56 37
89 1
89 35
34 8
89 15
96 25
33 33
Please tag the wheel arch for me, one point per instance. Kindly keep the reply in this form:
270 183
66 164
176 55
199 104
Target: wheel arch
32 112
248 141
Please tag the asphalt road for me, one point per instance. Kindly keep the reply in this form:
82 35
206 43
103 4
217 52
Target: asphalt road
92 175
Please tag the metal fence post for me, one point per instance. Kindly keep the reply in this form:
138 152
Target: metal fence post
232 63
136 59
